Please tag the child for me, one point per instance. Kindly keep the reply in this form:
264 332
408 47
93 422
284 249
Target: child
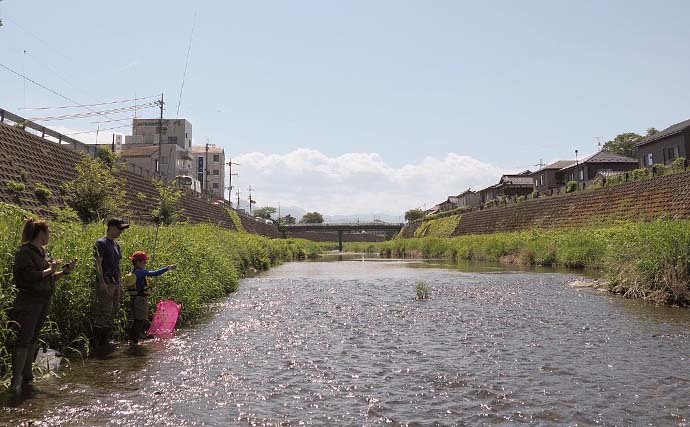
138 291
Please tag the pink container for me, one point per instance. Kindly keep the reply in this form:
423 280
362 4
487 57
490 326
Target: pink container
165 318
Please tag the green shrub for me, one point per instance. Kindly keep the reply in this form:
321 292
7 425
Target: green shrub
520 199
43 192
441 227
204 273
571 186
642 260
15 188
236 220
95 193
423 291
535 194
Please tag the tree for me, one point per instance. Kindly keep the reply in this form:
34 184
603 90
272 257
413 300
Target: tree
624 144
95 193
167 211
265 212
107 156
288 219
311 218
652 131
414 214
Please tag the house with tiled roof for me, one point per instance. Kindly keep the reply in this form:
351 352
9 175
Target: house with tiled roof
585 170
551 176
509 186
665 146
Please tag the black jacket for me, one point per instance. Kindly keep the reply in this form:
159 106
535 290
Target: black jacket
29 263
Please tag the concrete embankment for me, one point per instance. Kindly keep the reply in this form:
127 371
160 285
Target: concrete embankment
661 197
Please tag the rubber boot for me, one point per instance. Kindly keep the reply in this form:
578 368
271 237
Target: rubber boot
18 362
28 372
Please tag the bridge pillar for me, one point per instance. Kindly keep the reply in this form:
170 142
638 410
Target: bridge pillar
340 240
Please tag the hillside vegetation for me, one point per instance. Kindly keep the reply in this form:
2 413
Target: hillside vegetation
210 260
649 260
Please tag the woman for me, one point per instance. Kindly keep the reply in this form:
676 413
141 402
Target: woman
35 273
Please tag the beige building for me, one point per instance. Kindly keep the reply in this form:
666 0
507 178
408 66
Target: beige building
210 159
163 151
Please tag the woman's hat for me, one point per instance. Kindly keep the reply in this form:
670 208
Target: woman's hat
139 256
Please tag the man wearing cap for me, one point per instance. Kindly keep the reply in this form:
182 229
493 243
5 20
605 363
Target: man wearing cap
108 292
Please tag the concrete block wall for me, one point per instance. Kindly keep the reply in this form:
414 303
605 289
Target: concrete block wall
48 163
667 196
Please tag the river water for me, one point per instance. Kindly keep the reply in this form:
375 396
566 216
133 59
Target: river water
346 343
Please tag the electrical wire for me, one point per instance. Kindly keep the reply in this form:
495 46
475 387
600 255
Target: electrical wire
93 113
89 105
98 130
45 87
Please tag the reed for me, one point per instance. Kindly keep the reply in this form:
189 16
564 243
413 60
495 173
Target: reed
210 260
649 260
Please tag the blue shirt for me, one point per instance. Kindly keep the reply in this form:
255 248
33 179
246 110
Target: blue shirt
142 274
110 251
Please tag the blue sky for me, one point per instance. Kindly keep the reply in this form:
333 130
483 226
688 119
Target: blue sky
500 84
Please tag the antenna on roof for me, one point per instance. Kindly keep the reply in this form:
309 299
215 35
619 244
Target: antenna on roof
598 138
541 163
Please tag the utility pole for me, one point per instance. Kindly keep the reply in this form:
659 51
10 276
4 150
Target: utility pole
160 104
251 201
230 163
206 173
238 199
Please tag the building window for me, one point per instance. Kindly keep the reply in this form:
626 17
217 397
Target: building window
215 171
215 185
216 158
172 140
541 180
649 159
157 167
581 174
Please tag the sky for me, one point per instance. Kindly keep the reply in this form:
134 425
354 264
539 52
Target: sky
351 107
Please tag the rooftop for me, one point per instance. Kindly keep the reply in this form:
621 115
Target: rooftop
603 157
671 130
139 151
201 149
558 165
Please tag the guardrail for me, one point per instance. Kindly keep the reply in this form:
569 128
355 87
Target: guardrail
44 131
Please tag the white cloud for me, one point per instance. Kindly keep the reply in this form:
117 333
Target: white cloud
358 182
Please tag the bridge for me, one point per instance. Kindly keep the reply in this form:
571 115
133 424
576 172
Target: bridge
341 228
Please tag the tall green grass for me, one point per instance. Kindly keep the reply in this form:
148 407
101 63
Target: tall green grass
648 260
210 262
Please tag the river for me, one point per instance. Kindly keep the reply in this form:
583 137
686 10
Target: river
346 343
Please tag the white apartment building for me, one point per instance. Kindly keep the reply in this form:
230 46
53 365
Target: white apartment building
210 159
171 156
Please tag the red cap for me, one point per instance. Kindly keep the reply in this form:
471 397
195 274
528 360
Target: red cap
139 256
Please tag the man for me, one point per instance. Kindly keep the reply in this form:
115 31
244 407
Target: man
108 292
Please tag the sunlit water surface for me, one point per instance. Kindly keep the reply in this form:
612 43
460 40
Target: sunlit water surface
346 343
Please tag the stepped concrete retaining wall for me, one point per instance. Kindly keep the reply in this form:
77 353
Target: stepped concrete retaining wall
27 158
665 196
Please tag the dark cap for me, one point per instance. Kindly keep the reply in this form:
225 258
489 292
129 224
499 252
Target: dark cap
118 222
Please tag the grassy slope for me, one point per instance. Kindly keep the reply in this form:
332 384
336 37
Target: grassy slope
642 260
210 262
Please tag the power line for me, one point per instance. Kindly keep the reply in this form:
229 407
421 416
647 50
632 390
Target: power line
88 105
92 113
92 131
184 75
44 87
